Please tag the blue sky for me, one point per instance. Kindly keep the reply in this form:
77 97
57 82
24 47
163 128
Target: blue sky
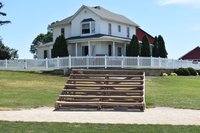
178 21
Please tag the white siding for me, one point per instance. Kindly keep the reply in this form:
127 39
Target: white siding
76 22
115 32
57 31
40 52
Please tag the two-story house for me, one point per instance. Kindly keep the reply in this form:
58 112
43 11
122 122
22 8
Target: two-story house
92 31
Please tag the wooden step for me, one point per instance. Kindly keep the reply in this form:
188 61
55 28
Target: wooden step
106 80
100 96
104 70
101 103
92 90
104 75
105 85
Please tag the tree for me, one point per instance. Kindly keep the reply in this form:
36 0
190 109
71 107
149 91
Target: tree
3 14
155 52
60 47
41 39
6 52
145 49
133 48
161 46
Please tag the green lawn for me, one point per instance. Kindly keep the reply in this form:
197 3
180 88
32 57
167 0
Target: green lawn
27 90
172 91
30 127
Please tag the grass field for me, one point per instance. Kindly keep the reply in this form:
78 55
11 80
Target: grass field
27 90
30 90
172 91
30 127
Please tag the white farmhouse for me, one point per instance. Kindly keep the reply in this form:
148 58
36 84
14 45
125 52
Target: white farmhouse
92 31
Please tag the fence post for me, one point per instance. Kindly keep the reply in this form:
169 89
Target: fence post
70 61
6 65
105 59
122 62
151 61
58 62
46 61
87 61
138 61
25 64
159 61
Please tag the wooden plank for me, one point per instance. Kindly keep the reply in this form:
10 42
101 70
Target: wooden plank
101 103
103 75
104 70
92 90
100 96
105 85
106 80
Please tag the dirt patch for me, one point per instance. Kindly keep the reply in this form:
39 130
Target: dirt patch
159 115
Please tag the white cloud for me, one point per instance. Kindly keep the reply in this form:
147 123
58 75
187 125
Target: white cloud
167 2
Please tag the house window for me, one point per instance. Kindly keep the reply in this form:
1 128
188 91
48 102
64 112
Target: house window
109 50
63 31
109 29
84 50
119 28
128 32
92 27
88 26
119 51
45 54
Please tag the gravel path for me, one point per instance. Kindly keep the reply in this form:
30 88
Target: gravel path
159 115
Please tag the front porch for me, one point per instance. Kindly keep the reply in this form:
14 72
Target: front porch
97 47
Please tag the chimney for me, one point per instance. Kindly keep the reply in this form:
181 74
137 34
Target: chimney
97 7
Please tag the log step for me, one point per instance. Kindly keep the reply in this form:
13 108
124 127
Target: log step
125 104
96 96
105 85
104 75
92 90
105 80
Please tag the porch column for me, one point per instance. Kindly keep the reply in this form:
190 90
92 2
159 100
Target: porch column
76 49
113 49
124 49
49 56
89 49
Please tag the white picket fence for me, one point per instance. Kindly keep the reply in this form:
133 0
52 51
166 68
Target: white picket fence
97 62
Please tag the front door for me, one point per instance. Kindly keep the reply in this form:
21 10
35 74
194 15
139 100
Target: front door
84 50
119 51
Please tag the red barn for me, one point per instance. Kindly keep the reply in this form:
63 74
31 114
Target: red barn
141 33
192 55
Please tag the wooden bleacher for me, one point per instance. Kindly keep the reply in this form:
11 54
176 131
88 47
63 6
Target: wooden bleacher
103 89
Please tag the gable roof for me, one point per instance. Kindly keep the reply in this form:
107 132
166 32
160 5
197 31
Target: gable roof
194 54
108 15
101 12
140 33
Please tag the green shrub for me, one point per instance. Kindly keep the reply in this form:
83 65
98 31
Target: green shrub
192 71
164 74
173 74
182 72
198 72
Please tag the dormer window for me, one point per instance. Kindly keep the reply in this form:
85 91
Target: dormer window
88 26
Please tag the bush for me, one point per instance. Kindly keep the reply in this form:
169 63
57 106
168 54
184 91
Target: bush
192 71
164 74
198 72
182 72
173 74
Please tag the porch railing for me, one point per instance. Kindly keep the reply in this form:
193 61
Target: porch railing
96 61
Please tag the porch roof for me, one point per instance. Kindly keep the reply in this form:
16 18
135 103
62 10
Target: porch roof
98 37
